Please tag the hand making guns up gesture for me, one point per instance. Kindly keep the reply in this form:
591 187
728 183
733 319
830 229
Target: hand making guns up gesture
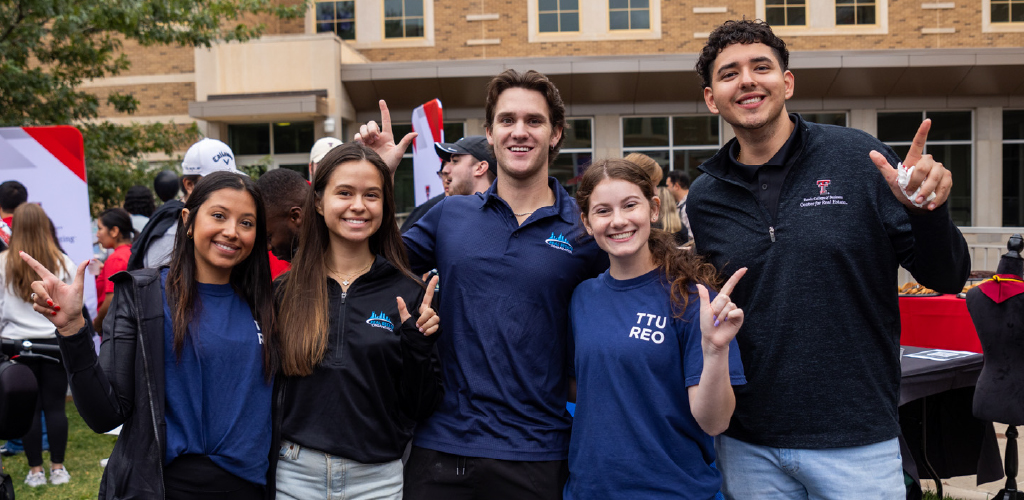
927 177
60 302
429 320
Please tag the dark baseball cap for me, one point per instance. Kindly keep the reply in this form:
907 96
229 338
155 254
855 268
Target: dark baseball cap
473 145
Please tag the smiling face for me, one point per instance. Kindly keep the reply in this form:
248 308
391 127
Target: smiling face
353 203
619 217
522 133
748 87
224 232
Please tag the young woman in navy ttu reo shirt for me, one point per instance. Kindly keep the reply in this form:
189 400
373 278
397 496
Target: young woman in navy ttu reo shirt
655 355
185 362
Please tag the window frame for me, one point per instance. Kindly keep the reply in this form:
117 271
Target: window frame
384 20
989 26
671 148
855 5
629 11
558 12
578 170
336 21
594 25
785 7
820 18
369 22
1010 142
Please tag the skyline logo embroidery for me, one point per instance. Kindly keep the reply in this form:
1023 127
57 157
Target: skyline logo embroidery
380 320
223 155
823 184
559 242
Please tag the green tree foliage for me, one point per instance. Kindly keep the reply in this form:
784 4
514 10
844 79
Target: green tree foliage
48 48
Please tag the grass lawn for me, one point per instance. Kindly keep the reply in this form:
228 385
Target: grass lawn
85 450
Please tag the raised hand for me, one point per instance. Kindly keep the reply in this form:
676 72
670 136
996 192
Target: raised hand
428 321
382 140
929 175
60 302
720 319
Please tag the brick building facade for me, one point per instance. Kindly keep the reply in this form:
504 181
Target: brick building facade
625 69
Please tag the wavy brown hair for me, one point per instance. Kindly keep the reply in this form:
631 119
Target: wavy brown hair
250 278
34 236
537 82
302 299
682 268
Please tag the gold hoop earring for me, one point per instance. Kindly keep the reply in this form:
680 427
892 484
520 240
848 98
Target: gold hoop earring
189 234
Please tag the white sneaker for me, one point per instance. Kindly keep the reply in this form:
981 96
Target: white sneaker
59 476
35 479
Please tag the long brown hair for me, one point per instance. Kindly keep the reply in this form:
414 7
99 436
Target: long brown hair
34 236
681 267
303 299
249 278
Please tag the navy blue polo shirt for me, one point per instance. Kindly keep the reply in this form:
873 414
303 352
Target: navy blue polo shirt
504 300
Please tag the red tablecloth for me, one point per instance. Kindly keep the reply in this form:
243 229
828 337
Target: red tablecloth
938 322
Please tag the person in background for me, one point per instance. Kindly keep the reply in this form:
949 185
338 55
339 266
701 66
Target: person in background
648 164
669 217
645 333
154 244
19 321
319 149
467 167
351 352
12 195
166 185
284 191
138 201
678 183
192 382
114 232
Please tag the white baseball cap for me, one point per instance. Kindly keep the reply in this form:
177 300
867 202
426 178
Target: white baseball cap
321 147
208 156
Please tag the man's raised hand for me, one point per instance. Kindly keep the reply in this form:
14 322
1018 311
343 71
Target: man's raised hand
428 321
929 175
382 139
59 302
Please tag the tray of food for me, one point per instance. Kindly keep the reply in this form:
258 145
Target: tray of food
967 287
912 289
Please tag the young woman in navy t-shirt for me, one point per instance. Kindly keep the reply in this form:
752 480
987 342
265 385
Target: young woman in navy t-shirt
655 355
358 365
185 363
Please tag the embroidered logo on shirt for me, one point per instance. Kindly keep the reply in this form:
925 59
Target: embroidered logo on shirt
380 320
823 184
560 243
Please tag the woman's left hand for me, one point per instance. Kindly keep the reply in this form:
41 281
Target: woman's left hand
428 321
720 319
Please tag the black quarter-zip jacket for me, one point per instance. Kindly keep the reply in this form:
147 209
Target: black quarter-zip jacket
377 379
820 338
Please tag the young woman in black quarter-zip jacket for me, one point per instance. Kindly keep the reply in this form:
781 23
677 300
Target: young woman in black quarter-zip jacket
359 368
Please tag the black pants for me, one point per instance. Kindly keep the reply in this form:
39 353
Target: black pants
435 475
196 477
53 390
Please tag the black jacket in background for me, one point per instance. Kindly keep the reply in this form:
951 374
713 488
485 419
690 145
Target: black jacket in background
161 220
364 399
821 331
125 385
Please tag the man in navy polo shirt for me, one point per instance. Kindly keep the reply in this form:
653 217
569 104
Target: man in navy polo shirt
510 258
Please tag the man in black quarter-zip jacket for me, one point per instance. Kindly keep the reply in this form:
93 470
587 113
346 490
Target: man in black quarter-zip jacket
816 215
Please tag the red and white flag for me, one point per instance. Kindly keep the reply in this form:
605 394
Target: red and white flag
50 162
428 122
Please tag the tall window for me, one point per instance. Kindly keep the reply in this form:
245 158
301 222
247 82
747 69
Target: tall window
676 142
785 12
577 151
403 18
405 185
629 14
852 12
950 141
337 17
825 118
1013 168
556 16
1008 11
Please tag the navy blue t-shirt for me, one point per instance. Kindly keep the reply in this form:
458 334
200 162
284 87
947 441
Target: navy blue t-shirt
504 307
217 398
634 435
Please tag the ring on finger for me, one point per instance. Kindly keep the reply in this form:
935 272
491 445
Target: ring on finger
33 296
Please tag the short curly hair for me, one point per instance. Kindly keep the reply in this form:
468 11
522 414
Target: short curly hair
732 32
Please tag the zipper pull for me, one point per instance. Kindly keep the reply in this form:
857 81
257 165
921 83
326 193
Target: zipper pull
771 232
345 294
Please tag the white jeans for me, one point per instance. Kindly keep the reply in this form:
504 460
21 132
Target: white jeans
305 473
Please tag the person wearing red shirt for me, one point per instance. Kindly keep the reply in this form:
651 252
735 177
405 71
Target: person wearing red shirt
114 230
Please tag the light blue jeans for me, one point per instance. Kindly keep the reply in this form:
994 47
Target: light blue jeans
871 472
305 473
